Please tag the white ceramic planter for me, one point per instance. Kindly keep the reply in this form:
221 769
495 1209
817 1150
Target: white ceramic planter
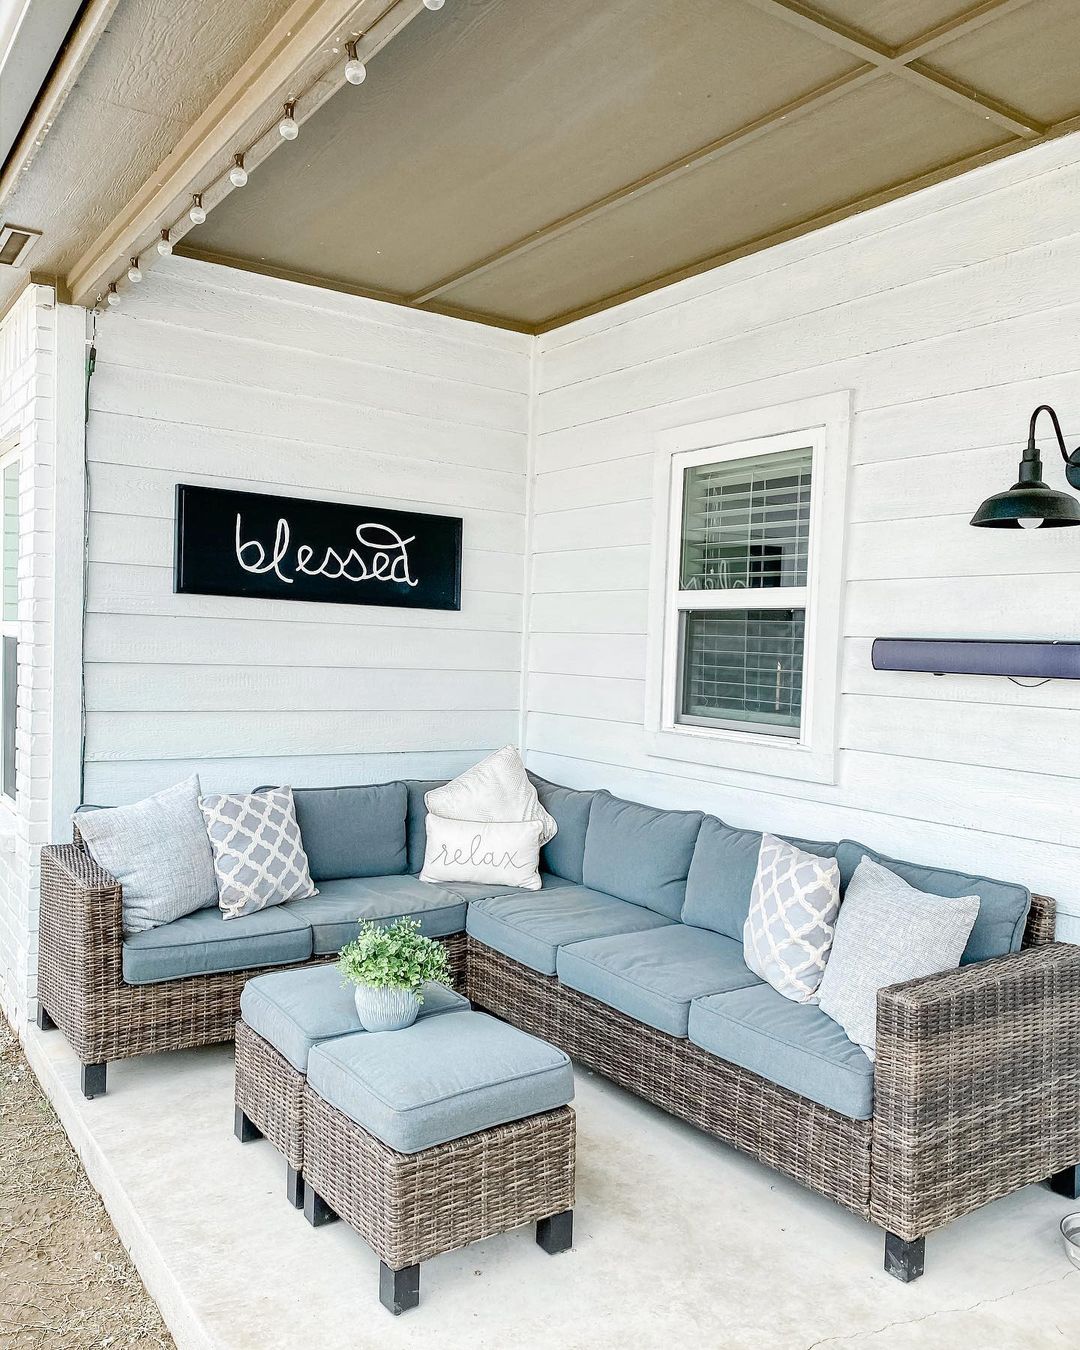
385 1009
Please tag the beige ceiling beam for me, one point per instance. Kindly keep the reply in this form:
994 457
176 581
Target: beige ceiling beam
695 159
66 70
903 62
295 60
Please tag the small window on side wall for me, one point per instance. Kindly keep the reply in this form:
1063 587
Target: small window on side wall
9 617
747 586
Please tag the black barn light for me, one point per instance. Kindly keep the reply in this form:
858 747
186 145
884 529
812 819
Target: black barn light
1029 504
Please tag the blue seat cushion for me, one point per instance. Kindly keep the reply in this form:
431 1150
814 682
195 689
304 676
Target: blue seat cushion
353 831
478 890
416 819
653 976
793 1044
296 1010
336 911
205 942
1003 906
531 926
639 853
440 1079
722 875
570 807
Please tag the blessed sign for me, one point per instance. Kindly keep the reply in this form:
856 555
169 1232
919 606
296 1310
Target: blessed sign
292 548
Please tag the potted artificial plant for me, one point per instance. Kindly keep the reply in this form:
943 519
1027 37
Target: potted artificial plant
389 965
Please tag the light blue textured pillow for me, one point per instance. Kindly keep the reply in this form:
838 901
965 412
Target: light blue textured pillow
159 852
887 933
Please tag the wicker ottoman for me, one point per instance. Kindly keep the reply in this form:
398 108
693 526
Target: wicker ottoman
283 1016
427 1139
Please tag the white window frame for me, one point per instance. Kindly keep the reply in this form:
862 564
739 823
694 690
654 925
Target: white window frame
9 453
823 424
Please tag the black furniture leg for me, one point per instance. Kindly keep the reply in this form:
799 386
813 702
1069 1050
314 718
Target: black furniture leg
904 1261
245 1130
294 1187
316 1210
1067 1183
556 1234
399 1290
44 1021
92 1080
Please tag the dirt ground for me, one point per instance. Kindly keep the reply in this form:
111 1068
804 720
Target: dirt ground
65 1279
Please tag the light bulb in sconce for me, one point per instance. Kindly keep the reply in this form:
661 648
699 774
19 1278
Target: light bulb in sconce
355 70
134 271
288 126
197 214
434 4
112 299
1029 522
164 244
238 175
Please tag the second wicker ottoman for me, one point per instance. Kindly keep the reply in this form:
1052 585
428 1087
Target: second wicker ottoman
427 1139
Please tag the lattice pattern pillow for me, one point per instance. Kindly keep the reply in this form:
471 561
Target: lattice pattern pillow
259 855
788 933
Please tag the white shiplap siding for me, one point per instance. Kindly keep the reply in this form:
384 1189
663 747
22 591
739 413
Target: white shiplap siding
949 316
216 377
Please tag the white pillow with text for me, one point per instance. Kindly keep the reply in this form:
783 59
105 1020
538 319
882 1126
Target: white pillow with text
492 853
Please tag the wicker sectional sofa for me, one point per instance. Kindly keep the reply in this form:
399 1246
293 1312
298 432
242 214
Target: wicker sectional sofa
630 959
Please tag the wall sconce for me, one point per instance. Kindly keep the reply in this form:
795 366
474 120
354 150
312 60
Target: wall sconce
1029 503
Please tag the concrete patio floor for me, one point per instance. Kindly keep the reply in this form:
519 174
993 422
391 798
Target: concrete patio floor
680 1242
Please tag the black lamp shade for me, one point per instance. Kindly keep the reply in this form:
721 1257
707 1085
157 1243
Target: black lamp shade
1028 501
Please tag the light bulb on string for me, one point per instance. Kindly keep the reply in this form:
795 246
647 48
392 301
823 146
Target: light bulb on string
134 272
164 244
112 299
355 70
238 175
288 126
197 214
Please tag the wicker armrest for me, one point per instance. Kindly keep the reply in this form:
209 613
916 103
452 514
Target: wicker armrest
977 1089
80 952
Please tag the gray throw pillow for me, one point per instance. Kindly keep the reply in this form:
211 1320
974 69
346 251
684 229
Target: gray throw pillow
793 905
158 851
259 855
888 932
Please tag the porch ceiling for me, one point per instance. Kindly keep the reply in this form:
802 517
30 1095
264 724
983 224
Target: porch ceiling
528 163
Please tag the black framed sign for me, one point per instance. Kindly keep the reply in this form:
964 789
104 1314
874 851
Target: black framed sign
293 548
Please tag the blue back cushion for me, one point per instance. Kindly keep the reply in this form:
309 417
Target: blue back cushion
722 875
570 808
1003 907
416 819
639 853
353 831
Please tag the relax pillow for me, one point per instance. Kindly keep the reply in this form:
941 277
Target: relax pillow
888 932
1003 908
259 856
489 852
497 788
158 850
789 930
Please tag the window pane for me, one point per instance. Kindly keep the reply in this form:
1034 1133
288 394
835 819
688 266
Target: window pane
746 522
11 541
743 668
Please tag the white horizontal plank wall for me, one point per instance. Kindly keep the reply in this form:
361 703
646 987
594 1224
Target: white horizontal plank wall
949 315
212 376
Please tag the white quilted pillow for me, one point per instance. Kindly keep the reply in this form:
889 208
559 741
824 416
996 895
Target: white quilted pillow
491 853
496 789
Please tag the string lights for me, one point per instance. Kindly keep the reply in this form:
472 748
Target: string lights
355 73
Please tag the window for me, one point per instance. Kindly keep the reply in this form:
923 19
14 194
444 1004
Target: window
9 616
747 588
741 590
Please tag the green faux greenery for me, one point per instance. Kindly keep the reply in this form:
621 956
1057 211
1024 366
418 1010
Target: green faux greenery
394 957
